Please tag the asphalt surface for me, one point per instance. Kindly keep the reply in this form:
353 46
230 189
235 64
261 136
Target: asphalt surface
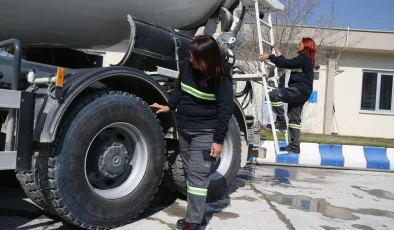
262 197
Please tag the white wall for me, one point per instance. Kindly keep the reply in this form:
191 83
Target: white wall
313 113
347 96
348 119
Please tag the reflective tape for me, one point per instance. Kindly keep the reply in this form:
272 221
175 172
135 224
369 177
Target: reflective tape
296 70
294 126
197 191
197 93
277 104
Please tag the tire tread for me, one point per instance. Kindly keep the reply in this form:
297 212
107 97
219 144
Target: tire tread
48 161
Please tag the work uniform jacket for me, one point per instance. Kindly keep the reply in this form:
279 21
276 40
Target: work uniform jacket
202 104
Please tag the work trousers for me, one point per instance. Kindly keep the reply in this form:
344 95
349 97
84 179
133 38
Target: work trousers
195 147
295 100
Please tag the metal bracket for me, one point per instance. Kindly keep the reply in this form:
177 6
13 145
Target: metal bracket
177 46
25 147
17 60
10 99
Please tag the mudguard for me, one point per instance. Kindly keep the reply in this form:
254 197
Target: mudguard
49 111
240 116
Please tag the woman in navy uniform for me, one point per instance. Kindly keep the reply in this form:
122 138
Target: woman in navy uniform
297 93
203 105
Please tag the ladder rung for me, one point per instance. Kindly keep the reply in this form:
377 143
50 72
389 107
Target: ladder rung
243 77
268 43
273 78
270 63
262 21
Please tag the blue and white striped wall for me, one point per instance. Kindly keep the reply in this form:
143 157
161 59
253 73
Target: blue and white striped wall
324 155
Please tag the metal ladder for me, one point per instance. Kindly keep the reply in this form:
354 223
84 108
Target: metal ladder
264 72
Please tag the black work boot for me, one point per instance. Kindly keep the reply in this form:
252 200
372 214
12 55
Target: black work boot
291 148
191 226
180 224
281 126
283 149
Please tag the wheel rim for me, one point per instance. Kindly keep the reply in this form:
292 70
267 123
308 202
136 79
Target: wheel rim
226 158
116 160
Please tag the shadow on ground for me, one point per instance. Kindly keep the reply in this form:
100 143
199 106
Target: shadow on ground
217 208
18 212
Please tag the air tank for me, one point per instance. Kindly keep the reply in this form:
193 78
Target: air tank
94 24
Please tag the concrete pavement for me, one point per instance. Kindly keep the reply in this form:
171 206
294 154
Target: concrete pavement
262 197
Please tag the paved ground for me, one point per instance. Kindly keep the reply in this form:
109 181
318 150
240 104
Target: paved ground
262 198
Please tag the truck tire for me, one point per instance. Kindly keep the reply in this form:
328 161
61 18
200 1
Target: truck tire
106 162
224 175
30 183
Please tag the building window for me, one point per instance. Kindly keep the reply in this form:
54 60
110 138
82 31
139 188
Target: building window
378 92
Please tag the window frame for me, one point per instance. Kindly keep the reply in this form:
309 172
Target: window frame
378 86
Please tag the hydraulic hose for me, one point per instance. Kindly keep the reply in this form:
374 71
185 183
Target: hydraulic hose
246 92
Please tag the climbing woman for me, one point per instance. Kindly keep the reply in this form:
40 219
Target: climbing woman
298 91
203 105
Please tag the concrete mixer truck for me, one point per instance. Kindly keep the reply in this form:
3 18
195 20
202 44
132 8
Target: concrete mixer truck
81 137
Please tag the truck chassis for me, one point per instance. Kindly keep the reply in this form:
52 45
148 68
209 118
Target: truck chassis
83 141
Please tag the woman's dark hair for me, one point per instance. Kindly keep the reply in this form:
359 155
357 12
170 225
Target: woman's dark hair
206 52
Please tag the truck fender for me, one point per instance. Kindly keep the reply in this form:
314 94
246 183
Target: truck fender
240 116
49 111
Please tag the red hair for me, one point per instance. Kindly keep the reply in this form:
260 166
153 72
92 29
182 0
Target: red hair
310 49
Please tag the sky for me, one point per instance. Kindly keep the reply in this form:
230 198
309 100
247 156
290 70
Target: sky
361 14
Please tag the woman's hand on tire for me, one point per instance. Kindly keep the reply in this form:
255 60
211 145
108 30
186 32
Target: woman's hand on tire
216 149
160 108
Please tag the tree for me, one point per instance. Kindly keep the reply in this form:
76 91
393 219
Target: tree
299 19
290 26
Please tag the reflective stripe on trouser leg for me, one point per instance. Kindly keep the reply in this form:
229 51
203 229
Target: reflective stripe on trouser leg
198 174
197 191
294 126
277 105
294 114
196 198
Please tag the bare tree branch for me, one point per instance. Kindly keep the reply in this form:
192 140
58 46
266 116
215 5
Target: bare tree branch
290 26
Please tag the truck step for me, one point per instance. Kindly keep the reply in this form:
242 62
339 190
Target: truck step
254 139
7 160
10 99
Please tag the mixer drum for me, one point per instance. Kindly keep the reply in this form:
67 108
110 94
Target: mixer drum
94 24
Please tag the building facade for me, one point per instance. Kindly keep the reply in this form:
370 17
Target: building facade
354 92
361 89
